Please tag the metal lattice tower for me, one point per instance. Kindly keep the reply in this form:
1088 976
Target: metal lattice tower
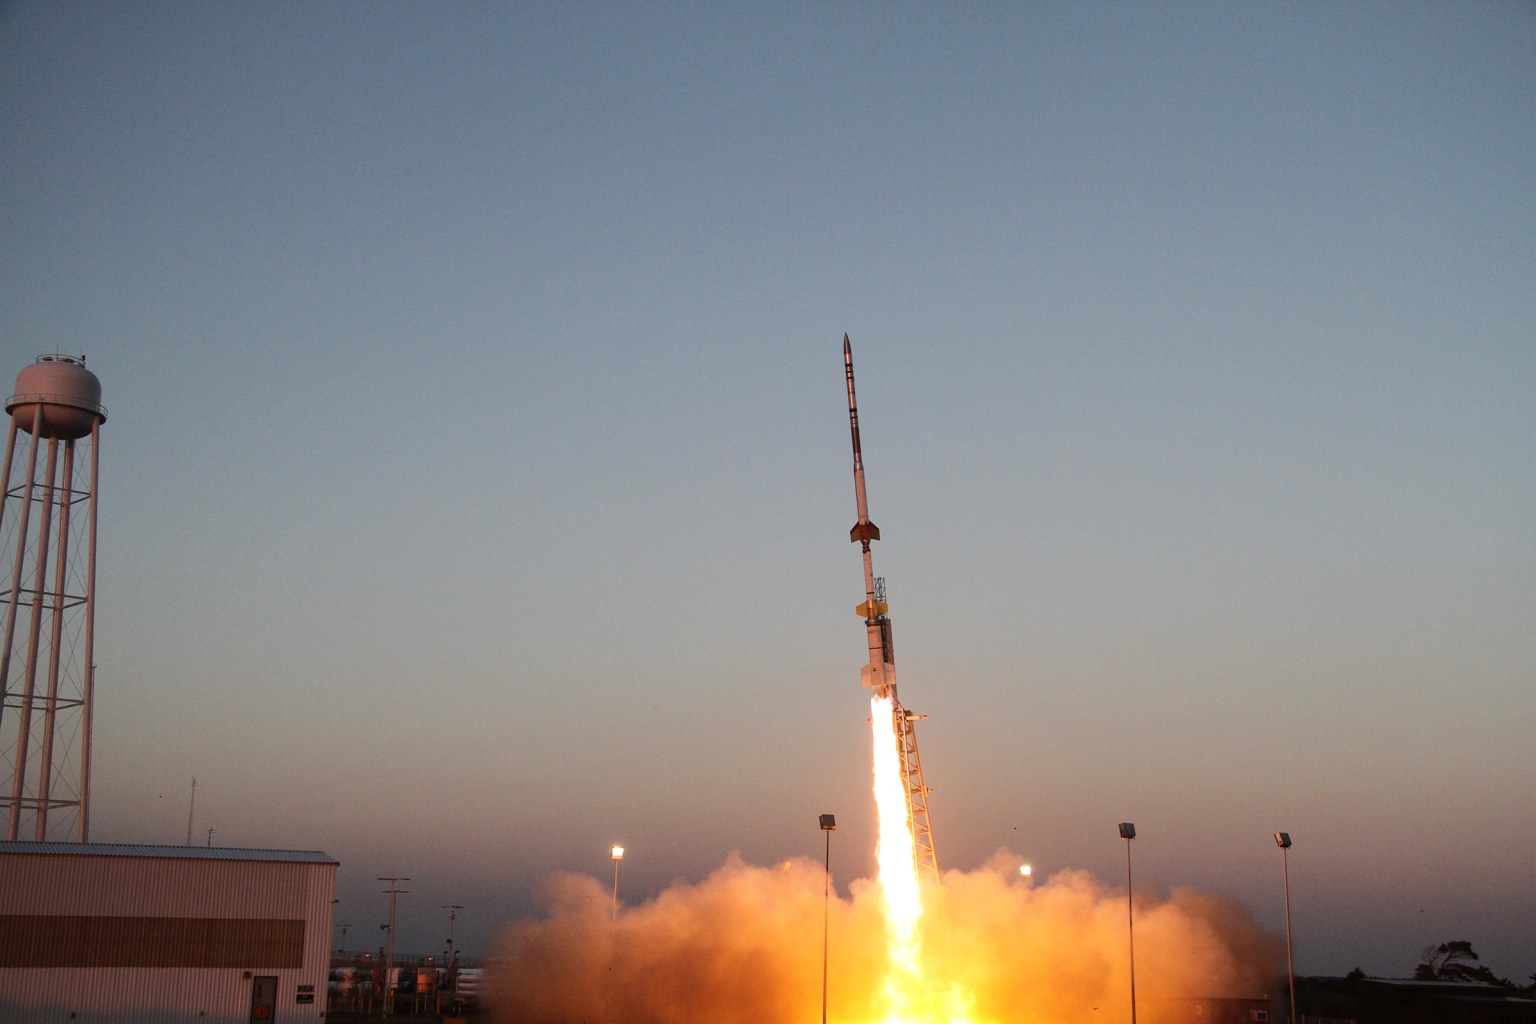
923 852
47 598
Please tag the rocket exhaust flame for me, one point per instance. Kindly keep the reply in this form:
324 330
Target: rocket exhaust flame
898 866
900 891
913 991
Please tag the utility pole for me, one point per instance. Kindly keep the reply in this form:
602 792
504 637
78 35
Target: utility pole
389 942
453 957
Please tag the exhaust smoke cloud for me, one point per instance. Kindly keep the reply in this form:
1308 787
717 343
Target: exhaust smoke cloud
984 947
744 946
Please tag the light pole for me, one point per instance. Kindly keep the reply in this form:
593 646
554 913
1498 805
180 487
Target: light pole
618 855
1128 832
828 825
389 942
1283 840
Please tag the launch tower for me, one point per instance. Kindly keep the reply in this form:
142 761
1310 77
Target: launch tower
47 598
880 673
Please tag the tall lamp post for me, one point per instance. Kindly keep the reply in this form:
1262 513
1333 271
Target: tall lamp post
1128 832
389 944
1283 840
828 825
618 855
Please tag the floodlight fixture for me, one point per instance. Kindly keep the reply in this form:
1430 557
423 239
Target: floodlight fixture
828 822
1127 830
1283 840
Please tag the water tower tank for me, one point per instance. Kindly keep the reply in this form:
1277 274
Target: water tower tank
67 394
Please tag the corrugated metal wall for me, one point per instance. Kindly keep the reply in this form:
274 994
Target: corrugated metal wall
112 890
95 940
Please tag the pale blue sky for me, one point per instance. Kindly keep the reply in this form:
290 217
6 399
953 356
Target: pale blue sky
476 484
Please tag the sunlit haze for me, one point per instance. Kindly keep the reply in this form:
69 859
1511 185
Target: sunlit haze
476 492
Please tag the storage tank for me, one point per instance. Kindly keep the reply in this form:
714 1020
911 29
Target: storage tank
67 395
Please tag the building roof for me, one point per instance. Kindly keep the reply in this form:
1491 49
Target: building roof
166 852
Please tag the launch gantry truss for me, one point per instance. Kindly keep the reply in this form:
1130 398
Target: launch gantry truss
923 853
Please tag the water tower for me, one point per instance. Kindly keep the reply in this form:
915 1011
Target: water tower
47 598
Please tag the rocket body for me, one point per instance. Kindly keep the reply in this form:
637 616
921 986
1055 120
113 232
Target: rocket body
880 673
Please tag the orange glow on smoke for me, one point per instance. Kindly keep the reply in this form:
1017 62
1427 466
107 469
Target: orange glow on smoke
743 946
991 946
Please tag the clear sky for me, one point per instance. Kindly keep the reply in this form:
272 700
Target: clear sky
476 482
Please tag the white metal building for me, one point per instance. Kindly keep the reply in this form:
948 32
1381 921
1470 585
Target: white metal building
98 932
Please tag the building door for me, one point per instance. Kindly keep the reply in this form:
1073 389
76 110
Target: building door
263 999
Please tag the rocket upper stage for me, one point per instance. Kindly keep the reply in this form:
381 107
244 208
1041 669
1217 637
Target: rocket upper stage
863 530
